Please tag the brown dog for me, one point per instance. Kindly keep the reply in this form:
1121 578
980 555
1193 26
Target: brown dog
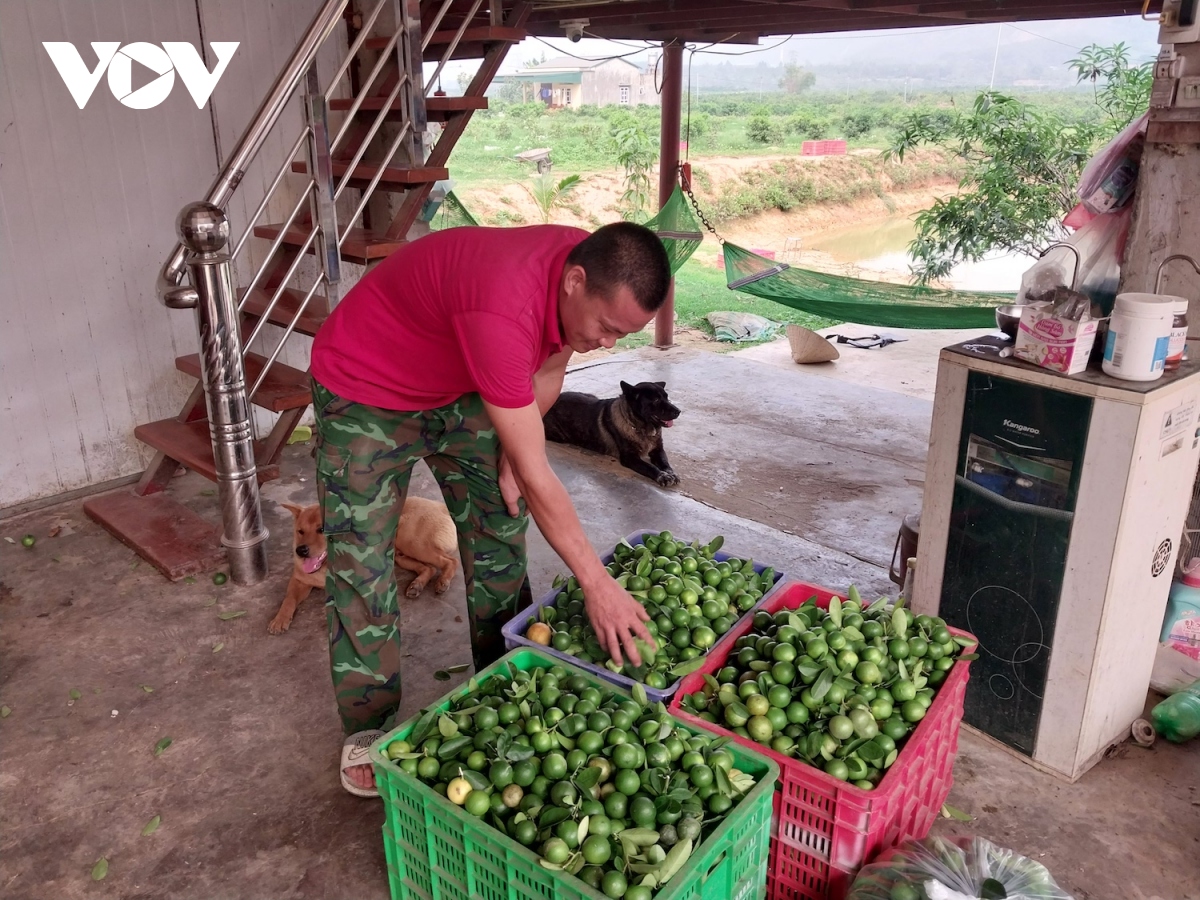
425 542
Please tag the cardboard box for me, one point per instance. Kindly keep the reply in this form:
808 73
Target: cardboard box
1061 345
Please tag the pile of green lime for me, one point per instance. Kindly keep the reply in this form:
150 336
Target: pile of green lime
611 790
839 688
692 599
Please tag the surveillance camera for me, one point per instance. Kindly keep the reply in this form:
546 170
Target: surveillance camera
574 29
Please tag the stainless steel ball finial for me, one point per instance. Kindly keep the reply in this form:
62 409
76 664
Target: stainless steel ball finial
203 227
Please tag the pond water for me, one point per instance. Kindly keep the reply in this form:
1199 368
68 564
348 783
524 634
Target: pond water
883 247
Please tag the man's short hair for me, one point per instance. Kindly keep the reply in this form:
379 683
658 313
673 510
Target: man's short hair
625 253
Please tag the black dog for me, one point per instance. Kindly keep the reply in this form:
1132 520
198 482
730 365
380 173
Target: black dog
628 427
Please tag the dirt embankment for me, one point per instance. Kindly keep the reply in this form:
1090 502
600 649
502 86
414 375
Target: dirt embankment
756 200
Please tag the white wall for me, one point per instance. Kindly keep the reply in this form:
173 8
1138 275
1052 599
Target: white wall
88 200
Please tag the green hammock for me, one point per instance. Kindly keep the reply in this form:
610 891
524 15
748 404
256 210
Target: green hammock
453 213
854 300
678 229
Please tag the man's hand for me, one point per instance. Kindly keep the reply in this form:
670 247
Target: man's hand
510 488
617 619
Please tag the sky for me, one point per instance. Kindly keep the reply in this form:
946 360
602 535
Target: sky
1059 38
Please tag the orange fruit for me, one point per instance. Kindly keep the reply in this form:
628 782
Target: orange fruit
539 633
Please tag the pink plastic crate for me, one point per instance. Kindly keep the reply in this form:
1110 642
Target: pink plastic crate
824 829
823 148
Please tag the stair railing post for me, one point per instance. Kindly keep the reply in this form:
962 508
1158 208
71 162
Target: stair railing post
204 230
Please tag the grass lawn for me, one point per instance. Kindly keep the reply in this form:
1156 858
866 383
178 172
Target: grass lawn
700 289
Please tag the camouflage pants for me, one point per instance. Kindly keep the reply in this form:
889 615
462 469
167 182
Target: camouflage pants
365 456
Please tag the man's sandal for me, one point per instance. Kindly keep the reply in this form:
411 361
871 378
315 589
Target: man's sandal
356 752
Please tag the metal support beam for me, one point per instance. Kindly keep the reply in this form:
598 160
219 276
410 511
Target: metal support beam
204 232
668 167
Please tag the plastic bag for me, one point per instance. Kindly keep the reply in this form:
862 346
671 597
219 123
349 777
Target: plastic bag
960 869
740 326
1110 177
1101 247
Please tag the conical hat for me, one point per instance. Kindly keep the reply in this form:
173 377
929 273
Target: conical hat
810 347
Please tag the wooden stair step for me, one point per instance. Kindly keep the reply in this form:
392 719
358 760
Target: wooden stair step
284 387
165 533
392 175
436 108
189 443
361 246
309 323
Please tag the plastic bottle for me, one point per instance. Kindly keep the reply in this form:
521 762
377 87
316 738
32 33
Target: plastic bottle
1178 717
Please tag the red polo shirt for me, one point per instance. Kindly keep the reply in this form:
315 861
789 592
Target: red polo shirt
455 312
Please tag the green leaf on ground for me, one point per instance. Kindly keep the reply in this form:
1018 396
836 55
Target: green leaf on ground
226 616
147 689
441 675
211 602
100 869
162 745
75 695
5 712
189 580
218 647
151 826
461 667
951 812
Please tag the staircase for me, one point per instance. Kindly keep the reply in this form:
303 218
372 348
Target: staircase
355 181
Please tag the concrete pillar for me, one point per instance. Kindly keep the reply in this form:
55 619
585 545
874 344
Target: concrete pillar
668 165
1166 216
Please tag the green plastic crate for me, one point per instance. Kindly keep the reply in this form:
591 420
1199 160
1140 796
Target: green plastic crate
437 851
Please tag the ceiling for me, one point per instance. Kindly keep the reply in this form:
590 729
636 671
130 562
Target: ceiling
745 21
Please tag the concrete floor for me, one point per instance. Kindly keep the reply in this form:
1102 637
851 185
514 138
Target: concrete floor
808 472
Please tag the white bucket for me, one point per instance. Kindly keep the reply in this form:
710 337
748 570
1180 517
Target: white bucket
1139 334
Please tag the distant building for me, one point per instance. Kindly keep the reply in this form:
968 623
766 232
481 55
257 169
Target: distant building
566 82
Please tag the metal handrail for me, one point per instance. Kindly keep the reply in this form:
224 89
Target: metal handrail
170 277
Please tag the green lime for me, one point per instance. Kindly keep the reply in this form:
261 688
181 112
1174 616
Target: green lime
903 691
561 641
903 891
780 696
895 728
627 782
477 760
508 713
614 884
525 832
760 729
642 811
638 892
540 786
616 803
881 709
218 577
757 704
797 713
428 767
478 803
841 728
554 766
868 673
596 849
27 541
701 775
657 755
590 742
838 769
625 756
692 758
912 711
486 719
703 637
524 772
816 649
575 759
563 793
898 648
556 851
500 774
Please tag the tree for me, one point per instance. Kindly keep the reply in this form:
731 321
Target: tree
796 80
1023 165
636 154
548 194
1121 90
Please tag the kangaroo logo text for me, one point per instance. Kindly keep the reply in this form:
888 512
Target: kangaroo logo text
118 60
